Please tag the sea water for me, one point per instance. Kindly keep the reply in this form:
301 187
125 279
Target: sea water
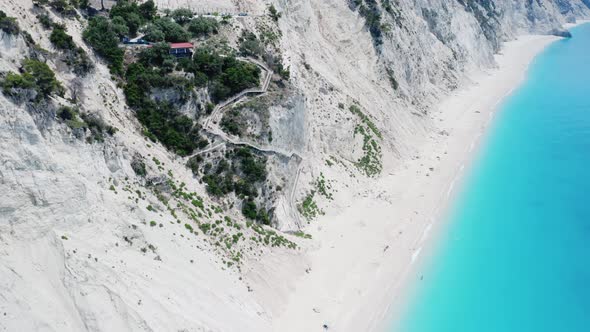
515 254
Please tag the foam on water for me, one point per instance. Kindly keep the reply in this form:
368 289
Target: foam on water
516 253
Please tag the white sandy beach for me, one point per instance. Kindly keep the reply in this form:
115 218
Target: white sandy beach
365 255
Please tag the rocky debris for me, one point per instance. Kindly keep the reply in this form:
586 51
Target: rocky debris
561 33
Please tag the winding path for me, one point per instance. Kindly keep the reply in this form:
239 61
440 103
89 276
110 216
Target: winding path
211 127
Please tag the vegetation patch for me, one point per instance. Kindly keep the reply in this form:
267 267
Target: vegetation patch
165 29
102 35
274 13
240 171
226 75
250 45
138 166
162 120
203 26
309 208
75 56
369 10
392 80
232 123
365 120
395 12
323 187
370 163
66 8
8 24
133 15
239 118
36 82
95 126
157 70
303 235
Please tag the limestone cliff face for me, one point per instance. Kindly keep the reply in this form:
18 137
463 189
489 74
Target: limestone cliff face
395 59
78 250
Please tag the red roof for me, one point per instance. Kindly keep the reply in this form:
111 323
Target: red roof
181 45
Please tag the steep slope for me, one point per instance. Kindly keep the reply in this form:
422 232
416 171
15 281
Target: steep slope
78 249
78 252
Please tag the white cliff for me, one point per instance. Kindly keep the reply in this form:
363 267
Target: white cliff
78 251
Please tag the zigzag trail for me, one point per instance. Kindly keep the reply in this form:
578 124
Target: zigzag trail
212 128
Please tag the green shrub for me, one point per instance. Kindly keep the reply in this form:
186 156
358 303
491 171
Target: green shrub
308 208
36 76
132 15
182 15
138 166
274 13
153 33
63 7
302 235
148 10
263 216
82 4
157 56
102 37
203 26
91 123
16 81
66 113
226 75
8 24
253 167
60 39
120 26
79 61
71 117
372 14
75 56
249 209
45 21
236 76
230 123
172 31
97 127
239 172
250 45
209 107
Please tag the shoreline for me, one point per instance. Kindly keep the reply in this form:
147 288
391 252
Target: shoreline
366 263
532 45
433 235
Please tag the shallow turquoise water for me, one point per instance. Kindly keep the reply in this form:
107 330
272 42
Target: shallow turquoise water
515 255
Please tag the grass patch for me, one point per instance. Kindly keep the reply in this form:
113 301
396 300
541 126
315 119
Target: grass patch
309 208
303 235
370 163
323 187
354 109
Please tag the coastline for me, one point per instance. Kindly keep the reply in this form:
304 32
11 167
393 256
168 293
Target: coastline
365 262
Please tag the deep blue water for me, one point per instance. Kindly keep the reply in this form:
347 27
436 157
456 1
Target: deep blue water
515 254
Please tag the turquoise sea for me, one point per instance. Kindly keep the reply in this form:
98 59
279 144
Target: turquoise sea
515 253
